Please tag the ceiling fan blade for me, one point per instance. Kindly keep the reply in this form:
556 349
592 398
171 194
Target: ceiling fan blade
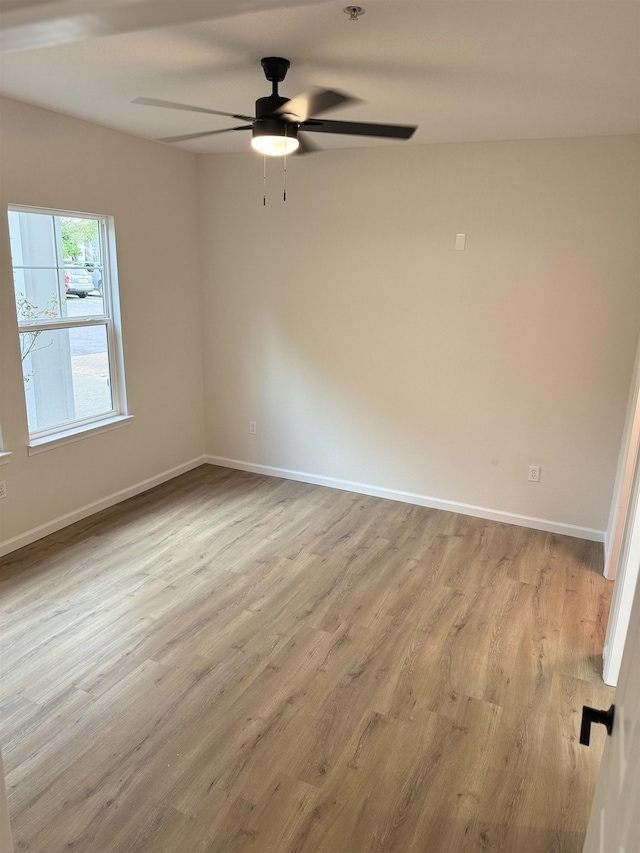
185 136
359 128
157 102
312 102
305 146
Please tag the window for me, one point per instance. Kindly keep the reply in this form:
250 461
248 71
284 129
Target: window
66 301
5 456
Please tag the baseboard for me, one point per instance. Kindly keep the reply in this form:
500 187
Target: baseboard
420 500
36 533
9 545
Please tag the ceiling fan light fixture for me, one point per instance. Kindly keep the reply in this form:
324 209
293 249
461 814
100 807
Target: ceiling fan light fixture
274 138
274 146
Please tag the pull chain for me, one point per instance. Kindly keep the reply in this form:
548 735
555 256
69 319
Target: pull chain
264 181
284 194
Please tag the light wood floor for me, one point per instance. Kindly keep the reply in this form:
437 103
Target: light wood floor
234 663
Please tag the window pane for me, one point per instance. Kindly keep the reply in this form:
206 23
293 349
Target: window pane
33 240
92 306
37 294
77 282
66 375
80 240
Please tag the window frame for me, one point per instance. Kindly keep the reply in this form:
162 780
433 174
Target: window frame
118 415
5 455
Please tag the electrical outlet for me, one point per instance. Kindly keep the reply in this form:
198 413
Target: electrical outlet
534 473
252 428
3 489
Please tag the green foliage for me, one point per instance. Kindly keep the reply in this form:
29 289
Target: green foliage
76 235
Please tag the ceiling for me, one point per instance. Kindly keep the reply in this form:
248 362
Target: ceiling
462 70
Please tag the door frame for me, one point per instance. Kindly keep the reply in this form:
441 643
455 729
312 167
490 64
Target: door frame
622 543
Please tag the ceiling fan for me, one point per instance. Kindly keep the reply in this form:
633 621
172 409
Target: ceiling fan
276 126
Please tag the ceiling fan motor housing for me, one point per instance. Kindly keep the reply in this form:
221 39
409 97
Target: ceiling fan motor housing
266 107
267 124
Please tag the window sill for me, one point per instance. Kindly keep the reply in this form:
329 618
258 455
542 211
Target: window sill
5 456
49 442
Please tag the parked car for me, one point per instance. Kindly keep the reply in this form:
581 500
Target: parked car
77 282
96 275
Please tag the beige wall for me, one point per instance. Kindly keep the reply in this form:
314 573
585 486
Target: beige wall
368 350
151 190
